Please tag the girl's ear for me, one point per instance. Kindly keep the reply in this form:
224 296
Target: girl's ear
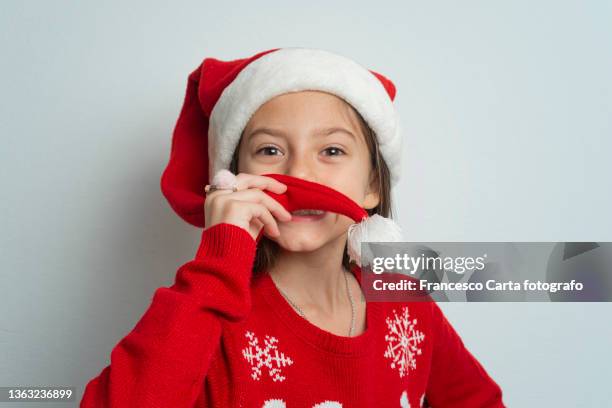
372 198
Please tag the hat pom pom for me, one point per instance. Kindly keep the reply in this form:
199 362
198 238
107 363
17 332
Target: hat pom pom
224 179
375 228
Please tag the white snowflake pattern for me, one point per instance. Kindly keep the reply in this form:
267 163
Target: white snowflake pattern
277 403
404 400
267 356
403 341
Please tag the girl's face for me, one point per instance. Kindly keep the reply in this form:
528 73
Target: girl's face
314 136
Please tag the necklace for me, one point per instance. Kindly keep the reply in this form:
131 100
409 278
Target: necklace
301 313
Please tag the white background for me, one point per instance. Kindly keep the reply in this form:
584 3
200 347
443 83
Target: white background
505 109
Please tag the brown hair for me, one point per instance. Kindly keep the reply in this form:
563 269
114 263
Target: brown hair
267 249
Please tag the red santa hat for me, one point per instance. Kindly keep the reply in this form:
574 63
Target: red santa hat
221 97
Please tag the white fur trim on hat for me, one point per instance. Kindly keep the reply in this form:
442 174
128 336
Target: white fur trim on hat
297 69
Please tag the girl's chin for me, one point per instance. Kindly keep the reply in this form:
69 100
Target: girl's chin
301 238
299 244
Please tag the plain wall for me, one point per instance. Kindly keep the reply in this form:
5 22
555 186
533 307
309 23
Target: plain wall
506 111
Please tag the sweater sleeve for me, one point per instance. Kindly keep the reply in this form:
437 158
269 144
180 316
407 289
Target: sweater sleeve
163 360
457 379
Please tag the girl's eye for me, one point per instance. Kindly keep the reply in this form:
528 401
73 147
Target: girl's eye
336 151
275 151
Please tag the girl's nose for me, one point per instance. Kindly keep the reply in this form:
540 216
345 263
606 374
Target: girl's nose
301 167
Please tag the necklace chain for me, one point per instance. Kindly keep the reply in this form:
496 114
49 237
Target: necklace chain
301 313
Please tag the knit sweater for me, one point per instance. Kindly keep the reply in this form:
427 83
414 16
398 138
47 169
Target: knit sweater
223 337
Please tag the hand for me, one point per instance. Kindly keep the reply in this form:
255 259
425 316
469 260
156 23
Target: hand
249 207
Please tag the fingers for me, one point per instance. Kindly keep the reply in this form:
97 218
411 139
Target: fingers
262 213
250 206
255 195
245 181
250 189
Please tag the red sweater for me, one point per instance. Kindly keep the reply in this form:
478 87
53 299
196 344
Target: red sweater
219 337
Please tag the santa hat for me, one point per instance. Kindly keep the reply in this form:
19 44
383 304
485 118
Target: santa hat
221 97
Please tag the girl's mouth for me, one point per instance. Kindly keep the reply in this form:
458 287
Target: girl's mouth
307 215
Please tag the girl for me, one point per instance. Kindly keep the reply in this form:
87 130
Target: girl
270 312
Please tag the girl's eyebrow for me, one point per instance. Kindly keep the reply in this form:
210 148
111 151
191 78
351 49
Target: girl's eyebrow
268 131
329 131
321 132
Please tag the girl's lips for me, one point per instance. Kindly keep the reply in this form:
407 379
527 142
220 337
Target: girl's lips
307 218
